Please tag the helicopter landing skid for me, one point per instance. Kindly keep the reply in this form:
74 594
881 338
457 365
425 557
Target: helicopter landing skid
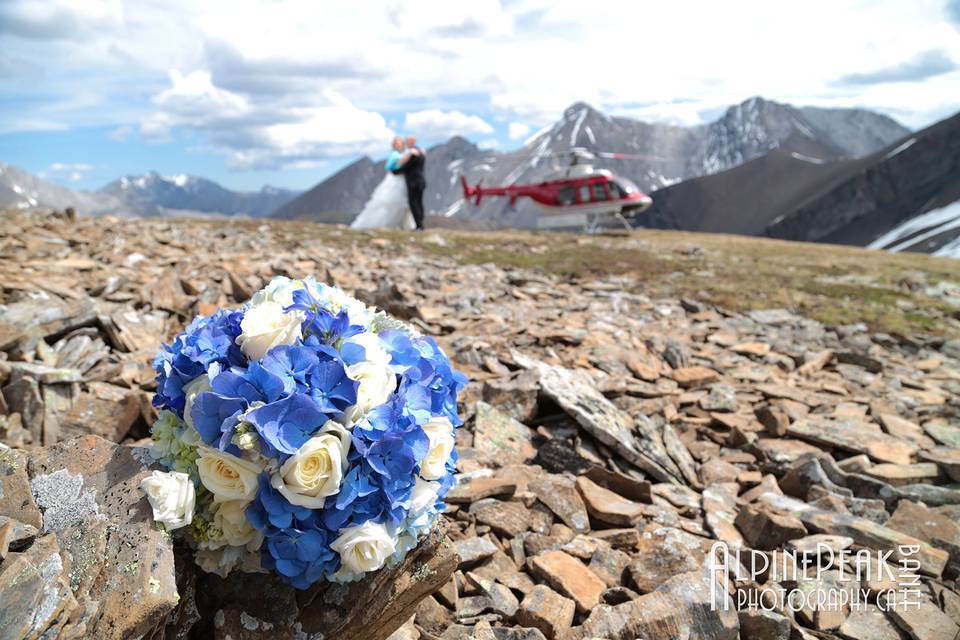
593 223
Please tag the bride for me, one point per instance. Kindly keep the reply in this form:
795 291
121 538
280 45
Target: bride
387 206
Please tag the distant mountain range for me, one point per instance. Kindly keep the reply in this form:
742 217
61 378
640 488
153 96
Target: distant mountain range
148 195
906 196
763 168
744 132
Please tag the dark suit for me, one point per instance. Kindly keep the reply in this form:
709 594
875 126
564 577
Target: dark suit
412 171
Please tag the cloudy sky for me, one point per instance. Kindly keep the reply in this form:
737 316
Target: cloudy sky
287 91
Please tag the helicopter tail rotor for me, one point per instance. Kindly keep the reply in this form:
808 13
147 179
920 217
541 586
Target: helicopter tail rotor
471 192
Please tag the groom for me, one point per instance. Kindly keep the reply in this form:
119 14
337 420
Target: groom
412 170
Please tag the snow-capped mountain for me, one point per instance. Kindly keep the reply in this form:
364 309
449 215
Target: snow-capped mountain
153 194
673 154
905 197
148 195
21 189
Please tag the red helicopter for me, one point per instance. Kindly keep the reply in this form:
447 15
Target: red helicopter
578 196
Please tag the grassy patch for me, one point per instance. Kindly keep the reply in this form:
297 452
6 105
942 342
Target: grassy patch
832 284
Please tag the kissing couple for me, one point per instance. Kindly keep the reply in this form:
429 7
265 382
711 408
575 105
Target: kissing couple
397 202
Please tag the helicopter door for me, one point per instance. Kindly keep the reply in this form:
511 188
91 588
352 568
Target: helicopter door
584 194
565 196
599 192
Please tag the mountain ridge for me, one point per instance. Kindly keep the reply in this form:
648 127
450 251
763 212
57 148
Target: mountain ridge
743 132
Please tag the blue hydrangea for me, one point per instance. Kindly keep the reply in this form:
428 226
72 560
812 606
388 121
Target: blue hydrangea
266 411
207 341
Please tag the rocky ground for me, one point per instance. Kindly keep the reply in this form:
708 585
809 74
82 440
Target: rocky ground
633 401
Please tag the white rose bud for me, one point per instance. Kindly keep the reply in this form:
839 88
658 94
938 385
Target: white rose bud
280 290
377 382
316 470
231 519
172 497
191 390
266 326
365 547
226 476
434 464
423 496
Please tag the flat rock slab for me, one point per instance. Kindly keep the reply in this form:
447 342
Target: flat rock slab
570 577
640 444
560 495
607 506
496 433
854 437
864 532
688 605
88 491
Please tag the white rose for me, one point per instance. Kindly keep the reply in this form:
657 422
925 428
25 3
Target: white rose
372 346
172 497
423 496
279 290
365 547
434 464
226 476
265 326
231 519
377 382
316 470
191 390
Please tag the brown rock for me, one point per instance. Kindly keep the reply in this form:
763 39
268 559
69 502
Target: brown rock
627 486
546 610
763 529
473 550
476 489
506 518
919 521
657 560
868 622
864 532
925 622
609 564
692 377
618 538
855 438
88 491
501 436
686 606
774 420
570 577
35 596
758 624
561 496
607 506
756 349
16 500
515 395
898 475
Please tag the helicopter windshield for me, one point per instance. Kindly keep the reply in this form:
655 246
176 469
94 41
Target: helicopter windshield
626 186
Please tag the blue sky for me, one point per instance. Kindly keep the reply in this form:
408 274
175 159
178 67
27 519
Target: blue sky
287 91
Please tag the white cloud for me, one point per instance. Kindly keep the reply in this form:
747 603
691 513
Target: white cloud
66 171
518 130
121 133
434 123
259 80
259 133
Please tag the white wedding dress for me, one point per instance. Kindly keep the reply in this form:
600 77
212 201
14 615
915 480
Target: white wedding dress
387 207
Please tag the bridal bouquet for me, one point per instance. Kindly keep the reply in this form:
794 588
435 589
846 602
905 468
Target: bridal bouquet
304 434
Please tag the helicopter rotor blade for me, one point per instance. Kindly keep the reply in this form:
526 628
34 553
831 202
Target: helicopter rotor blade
626 156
